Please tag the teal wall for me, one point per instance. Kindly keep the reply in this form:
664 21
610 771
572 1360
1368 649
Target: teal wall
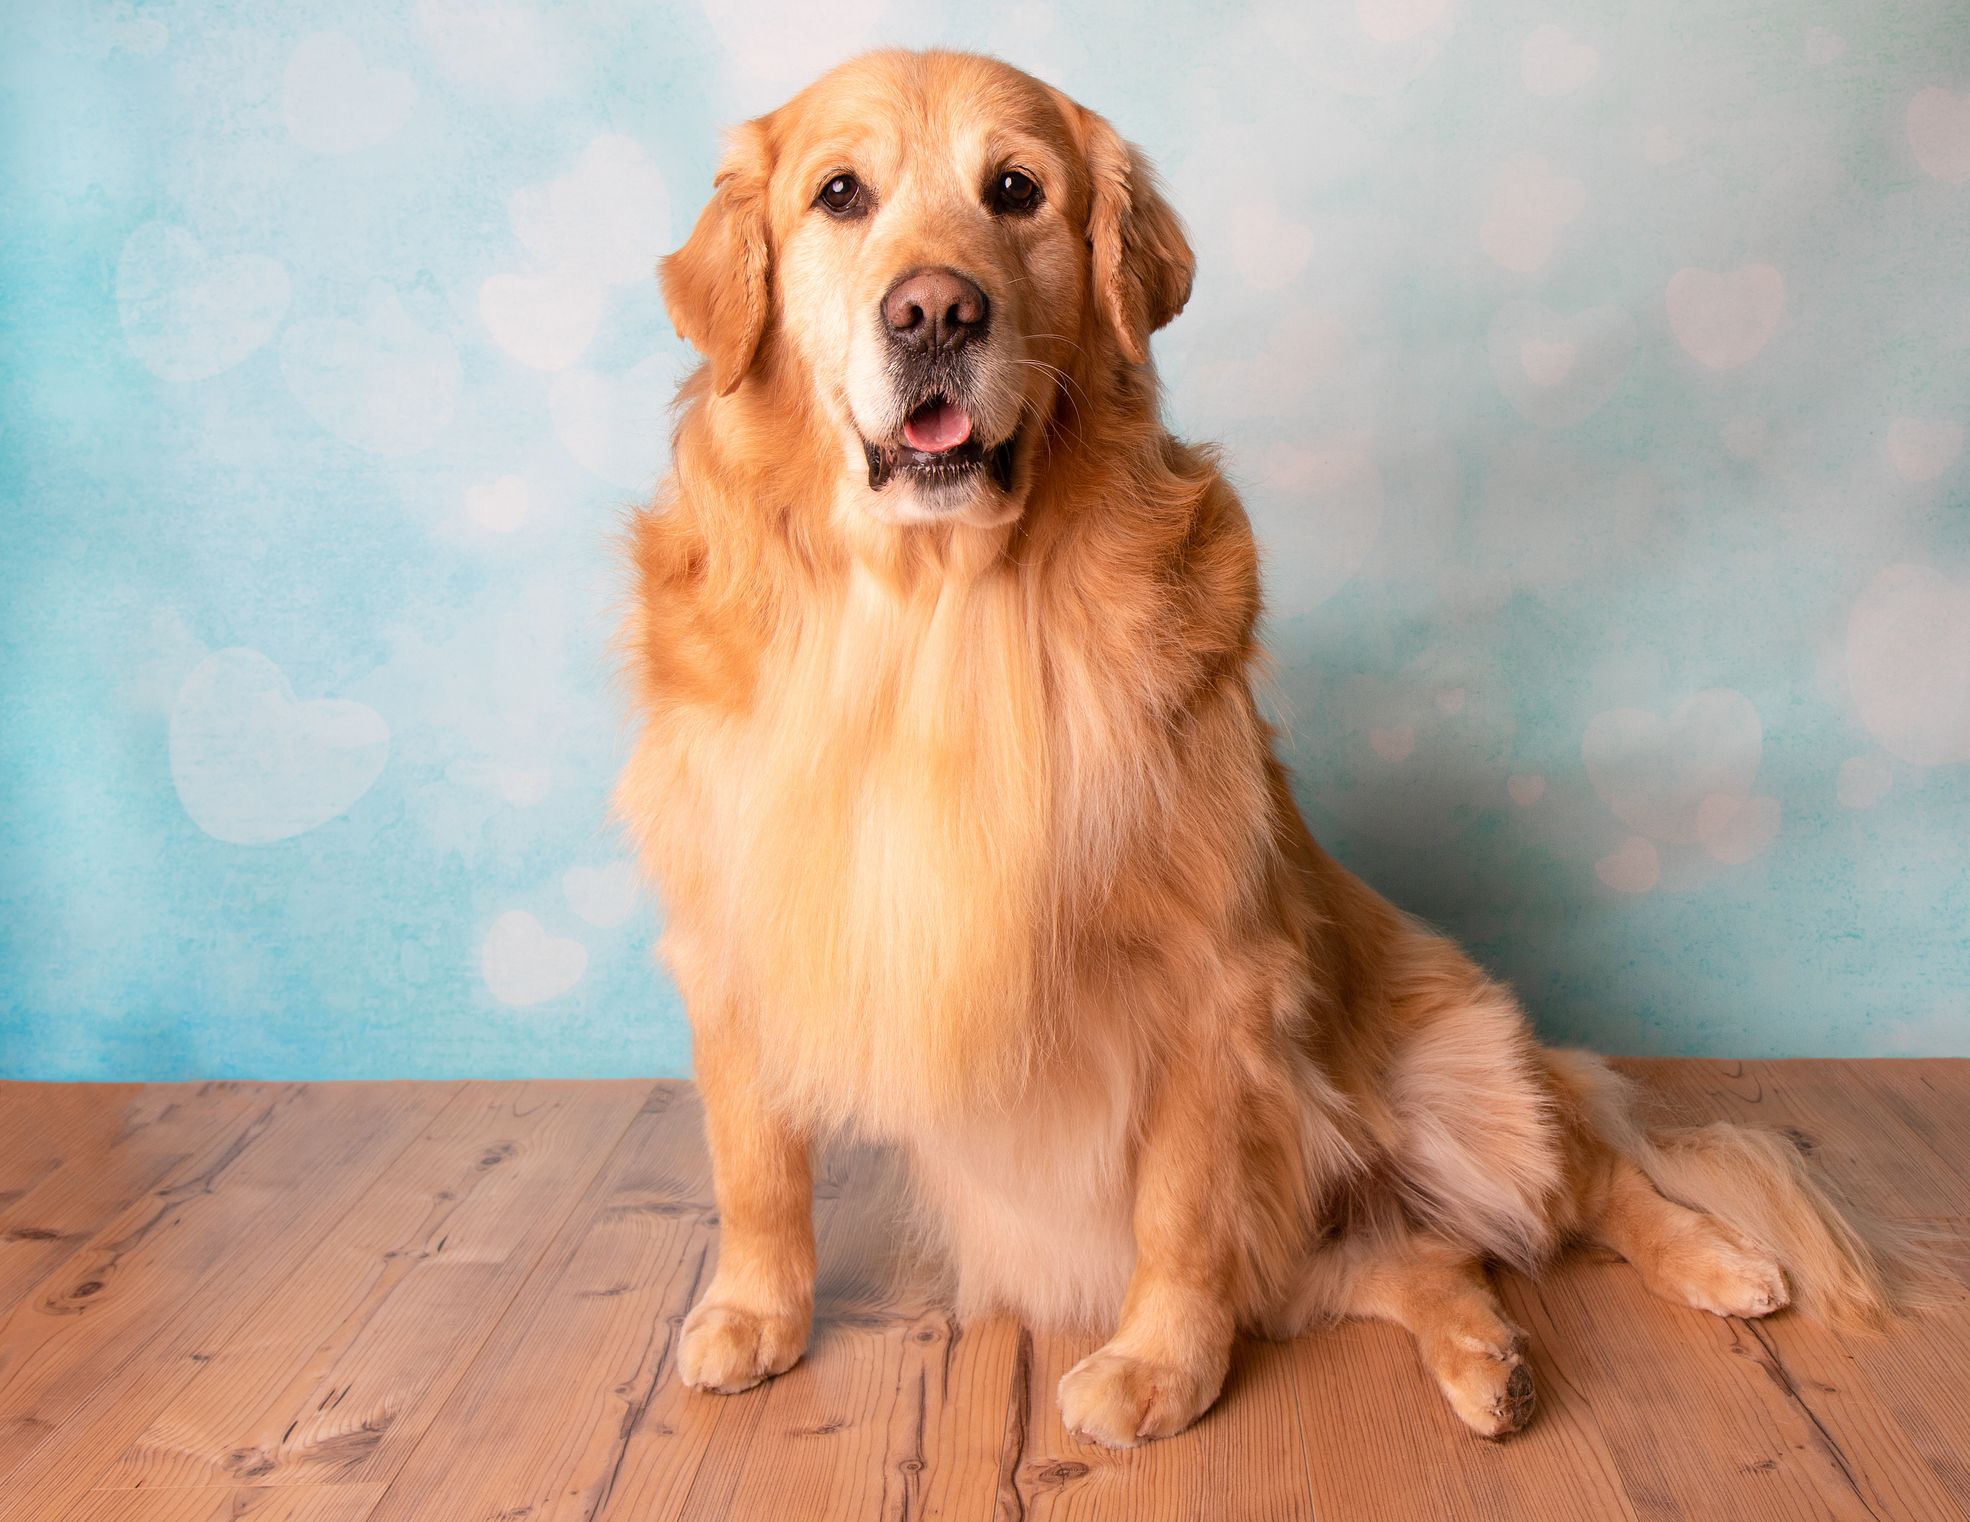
1598 377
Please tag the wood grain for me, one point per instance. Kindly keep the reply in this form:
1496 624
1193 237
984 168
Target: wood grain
459 1303
345 1365
41 1123
865 1426
1859 1144
95 1349
230 1503
92 1159
556 1396
1659 1376
1371 1404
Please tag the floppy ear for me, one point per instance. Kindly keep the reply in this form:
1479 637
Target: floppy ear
1142 261
715 286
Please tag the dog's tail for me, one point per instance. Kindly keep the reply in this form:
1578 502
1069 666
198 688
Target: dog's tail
1842 1265
1845 1266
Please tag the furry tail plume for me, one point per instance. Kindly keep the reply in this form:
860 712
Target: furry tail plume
1845 1267
1842 1267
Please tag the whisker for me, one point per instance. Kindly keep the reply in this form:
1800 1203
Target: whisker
1068 383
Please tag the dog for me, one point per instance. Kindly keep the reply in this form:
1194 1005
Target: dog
973 840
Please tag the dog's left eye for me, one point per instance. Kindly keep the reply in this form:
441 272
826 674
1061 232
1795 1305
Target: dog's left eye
1014 191
841 195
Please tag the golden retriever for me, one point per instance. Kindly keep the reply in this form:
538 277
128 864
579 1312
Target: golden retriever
973 840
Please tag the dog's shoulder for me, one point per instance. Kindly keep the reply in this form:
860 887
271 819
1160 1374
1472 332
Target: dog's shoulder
693 628
1164 550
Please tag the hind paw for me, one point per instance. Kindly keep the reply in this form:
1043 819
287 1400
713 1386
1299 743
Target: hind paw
1717 1269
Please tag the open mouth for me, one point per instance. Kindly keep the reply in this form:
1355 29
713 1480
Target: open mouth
939 448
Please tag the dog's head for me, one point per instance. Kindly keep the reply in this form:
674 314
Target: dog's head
935 248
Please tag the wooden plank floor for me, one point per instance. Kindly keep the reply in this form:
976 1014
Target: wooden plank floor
459 1303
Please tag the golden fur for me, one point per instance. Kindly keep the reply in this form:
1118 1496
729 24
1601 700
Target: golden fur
972 838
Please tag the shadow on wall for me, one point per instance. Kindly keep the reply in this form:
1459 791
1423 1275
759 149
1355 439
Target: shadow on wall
1449 788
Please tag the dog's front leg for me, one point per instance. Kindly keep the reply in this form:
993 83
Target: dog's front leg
753 1319
1167 1359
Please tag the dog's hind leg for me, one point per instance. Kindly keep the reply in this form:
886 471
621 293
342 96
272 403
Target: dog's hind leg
1691 1248
1689 1256
1441 1294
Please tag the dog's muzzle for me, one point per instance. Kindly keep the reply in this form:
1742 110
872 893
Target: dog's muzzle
939 448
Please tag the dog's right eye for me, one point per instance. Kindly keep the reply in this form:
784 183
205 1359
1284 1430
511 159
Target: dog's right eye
1014 192
840 196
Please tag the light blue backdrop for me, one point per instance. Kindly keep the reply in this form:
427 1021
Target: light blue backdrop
1597 374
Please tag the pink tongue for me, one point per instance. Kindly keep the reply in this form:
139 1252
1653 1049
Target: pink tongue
938 427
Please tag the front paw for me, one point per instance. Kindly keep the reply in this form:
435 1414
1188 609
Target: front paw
726 1349
1117 1399
1486 1381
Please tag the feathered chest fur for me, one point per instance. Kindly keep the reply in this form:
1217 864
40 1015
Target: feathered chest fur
918 817
879 830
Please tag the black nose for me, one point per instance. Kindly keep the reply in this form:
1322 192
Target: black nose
935 309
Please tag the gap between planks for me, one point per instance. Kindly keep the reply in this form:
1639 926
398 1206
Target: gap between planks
1646 1410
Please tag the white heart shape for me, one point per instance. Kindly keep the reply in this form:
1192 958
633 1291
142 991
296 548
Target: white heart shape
605 896
603 222
1526 210
1399 20
499 507
1908 664
1546 364
779 53
1394 744
1554 62
1654 774
1921 449
1634 867
252 764
521 786
380 381
1451 699
1724 320
336 103
1864 781
1270 252
1735 829
522 964
1526 790
186 315
524 786
1334 51
545 321
1558 368
516 50
1938 126
615 424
